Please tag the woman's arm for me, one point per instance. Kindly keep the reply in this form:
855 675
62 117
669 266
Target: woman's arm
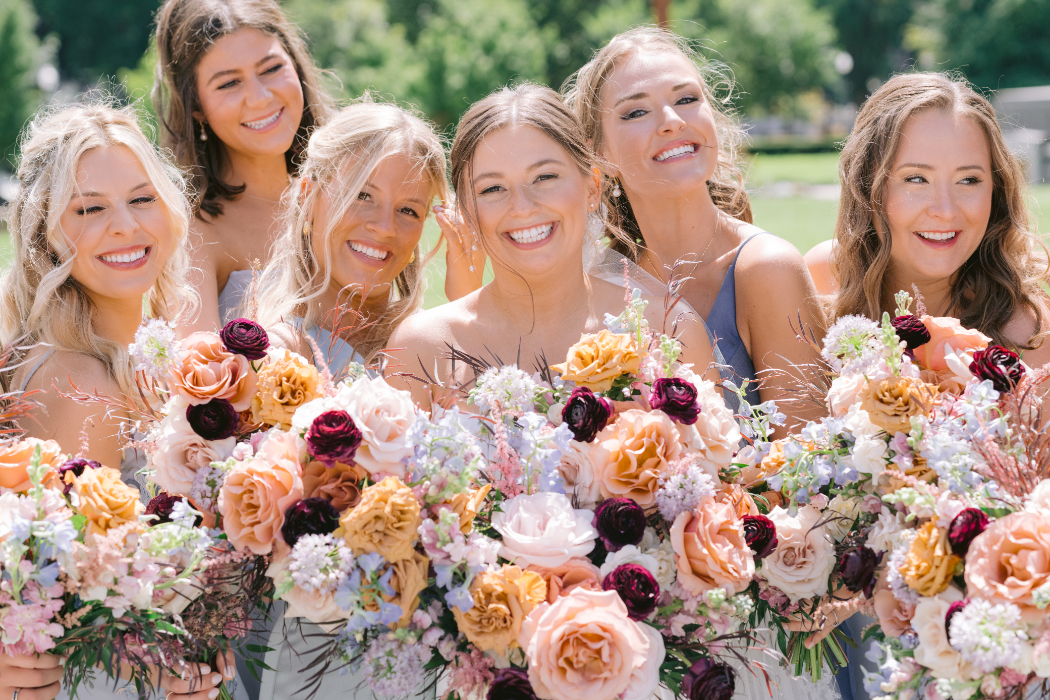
818 260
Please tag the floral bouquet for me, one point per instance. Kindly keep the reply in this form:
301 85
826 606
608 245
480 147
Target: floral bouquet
88 572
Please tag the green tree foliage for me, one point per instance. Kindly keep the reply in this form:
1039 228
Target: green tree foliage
19 51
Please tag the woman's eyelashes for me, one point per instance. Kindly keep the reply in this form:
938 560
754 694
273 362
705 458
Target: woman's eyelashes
638 112
366 197
268 71
919 180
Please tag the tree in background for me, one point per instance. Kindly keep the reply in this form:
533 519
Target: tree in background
98 37
19 57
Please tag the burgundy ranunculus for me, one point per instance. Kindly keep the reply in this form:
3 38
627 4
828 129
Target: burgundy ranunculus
760 534
511 684
310 516
708 679
954 608
998 364
586 414
162 506
856 567
677 398
964 529
911 330
619 522
215 420
77 465
637 588
333 437
244 337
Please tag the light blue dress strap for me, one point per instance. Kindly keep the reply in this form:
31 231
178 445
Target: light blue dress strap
336 352
233 295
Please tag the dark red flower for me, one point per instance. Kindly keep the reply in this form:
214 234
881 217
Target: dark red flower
333 437
310 516
244 337
964 529
761 535
637 588
856 567
911 330
954 608
708 679
511 684
586 414
215 420
619 522
677 398
998 364
162 506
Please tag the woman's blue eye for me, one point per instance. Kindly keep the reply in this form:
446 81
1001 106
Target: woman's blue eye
687 100
633 114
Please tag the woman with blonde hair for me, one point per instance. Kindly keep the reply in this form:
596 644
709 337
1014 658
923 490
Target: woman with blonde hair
932 197
647 105
99 232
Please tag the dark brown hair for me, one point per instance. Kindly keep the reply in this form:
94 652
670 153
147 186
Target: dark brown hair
1002 276
186 30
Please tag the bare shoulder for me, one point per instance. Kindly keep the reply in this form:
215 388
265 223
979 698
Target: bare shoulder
1023 329
770 265
67 369
425 335
766 251
818 261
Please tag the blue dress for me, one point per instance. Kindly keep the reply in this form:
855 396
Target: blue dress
232 295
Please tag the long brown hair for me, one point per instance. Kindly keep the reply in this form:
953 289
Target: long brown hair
583 92
1002 276
186 30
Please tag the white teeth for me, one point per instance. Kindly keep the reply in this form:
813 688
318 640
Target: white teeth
265 122
368 250
531 235
124 257
688 148
933 236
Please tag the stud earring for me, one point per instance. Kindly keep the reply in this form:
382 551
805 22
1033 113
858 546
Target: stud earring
616 190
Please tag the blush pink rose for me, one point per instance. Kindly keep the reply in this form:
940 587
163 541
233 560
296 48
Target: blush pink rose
945 331
1010 560
804 557
180 453
544 530
257 493
577 469
711 550
585 646
894 616
562 580
206 371
384 415
317 607
844 392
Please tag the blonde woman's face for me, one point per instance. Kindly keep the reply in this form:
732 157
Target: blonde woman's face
938 197
118 227
530 199
659 130
375 240
250 94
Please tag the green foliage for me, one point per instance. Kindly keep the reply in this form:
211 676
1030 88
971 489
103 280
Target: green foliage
19 50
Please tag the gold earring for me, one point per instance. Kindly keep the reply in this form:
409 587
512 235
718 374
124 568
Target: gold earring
308 229
413 258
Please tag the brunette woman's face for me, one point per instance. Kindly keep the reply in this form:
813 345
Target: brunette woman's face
120 229
658 128
938 196
376 238
250 94
531 199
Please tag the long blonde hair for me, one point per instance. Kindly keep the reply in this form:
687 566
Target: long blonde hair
340 157
1003 274
39 298
583 93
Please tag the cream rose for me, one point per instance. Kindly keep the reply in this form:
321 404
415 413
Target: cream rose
180 453
711 550
544 530
1039 498
844 392
840 515
633 453
869 455
577 469
384 416
934 651
716 434
204 371
804 557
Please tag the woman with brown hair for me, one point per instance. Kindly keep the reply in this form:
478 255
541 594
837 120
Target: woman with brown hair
932 197
237 95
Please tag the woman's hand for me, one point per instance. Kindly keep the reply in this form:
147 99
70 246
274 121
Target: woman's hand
198 681
830 613
34 677
464 262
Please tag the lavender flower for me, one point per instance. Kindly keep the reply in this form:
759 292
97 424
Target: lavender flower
682 492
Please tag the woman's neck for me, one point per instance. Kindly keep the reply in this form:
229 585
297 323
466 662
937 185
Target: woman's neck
936 294
536 303
676 224
116 320
338 309
265 177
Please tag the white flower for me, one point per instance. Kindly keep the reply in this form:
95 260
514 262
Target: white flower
663 553
156 346
804 557
716 434
934 650
869 454
843 393
840 515
544 530
306 414
883 533
385 417
852 346
577 471
507 388
180 453
1039 498
859 422
629 554
988 635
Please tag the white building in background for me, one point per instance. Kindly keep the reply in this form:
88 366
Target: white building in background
1024 114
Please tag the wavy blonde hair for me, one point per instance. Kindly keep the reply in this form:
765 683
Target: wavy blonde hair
339 159
1003 275
583 93
40 300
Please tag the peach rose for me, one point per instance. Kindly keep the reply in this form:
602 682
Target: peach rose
407 580
930 564
597 360
743 503
934 651
256 494
894 616
578 572
577 469
892 402
385 520
502 599
946 331
893 479
285 382
631 454
1010 560
204 371
384 416
180 453
711 550
15 456
715 434
105 500
585 646
337 484
466 505
1039 498
804 557
319 607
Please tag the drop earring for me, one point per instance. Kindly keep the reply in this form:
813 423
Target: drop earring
616 189
204 133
